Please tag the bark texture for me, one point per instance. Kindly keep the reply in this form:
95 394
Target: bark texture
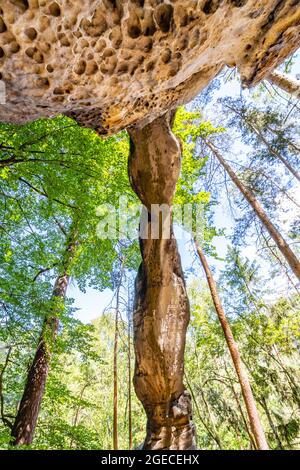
285 82
282 245
26 419
253 415
161 311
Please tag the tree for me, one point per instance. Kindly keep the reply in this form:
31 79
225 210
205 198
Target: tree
26 419
70 198
261 124
212 377
269 339
115 426
261 214
232 346
188 194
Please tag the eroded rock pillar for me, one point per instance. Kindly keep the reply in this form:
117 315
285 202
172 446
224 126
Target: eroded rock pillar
161 312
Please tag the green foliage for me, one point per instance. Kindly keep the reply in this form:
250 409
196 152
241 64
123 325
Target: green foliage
56 175
268 340
190 128
77 408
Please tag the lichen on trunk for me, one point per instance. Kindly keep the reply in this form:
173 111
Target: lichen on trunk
161 312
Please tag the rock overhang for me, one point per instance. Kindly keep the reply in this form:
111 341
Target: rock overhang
111 64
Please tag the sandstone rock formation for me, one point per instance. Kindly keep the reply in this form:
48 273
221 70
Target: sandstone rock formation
161 312
113 63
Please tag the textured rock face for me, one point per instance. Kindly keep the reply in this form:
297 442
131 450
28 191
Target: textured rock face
112 63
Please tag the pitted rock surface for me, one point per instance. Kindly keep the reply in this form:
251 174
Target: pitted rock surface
111 63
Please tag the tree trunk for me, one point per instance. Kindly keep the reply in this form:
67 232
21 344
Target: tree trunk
282 245
212 432
129 377
285 82
254 420
271 423
3 416
289 142
77 413
115 410
282 265
161 310
26 419
252 439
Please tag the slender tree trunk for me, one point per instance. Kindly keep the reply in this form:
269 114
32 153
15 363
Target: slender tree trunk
3 416
129 395
274 357
271 422
285 82
293 385
212 432
254 420
211 418
289 142
116 341
237 400
283 267
129 379
115 413
26 419
282 245
77 412
161 311
253 443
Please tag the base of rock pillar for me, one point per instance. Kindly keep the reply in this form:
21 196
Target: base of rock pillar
170 426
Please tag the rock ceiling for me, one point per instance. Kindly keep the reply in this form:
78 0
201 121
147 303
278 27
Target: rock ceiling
111 63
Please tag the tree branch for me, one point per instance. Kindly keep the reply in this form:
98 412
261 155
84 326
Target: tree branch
4 418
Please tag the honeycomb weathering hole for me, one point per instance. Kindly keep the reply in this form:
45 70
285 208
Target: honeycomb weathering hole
22 4
54 9
3 27
31 33
163 16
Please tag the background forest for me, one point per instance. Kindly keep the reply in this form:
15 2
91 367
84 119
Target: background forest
54 176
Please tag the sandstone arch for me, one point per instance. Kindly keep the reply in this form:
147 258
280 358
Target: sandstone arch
115 64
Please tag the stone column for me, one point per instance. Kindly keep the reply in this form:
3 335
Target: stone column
161 312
